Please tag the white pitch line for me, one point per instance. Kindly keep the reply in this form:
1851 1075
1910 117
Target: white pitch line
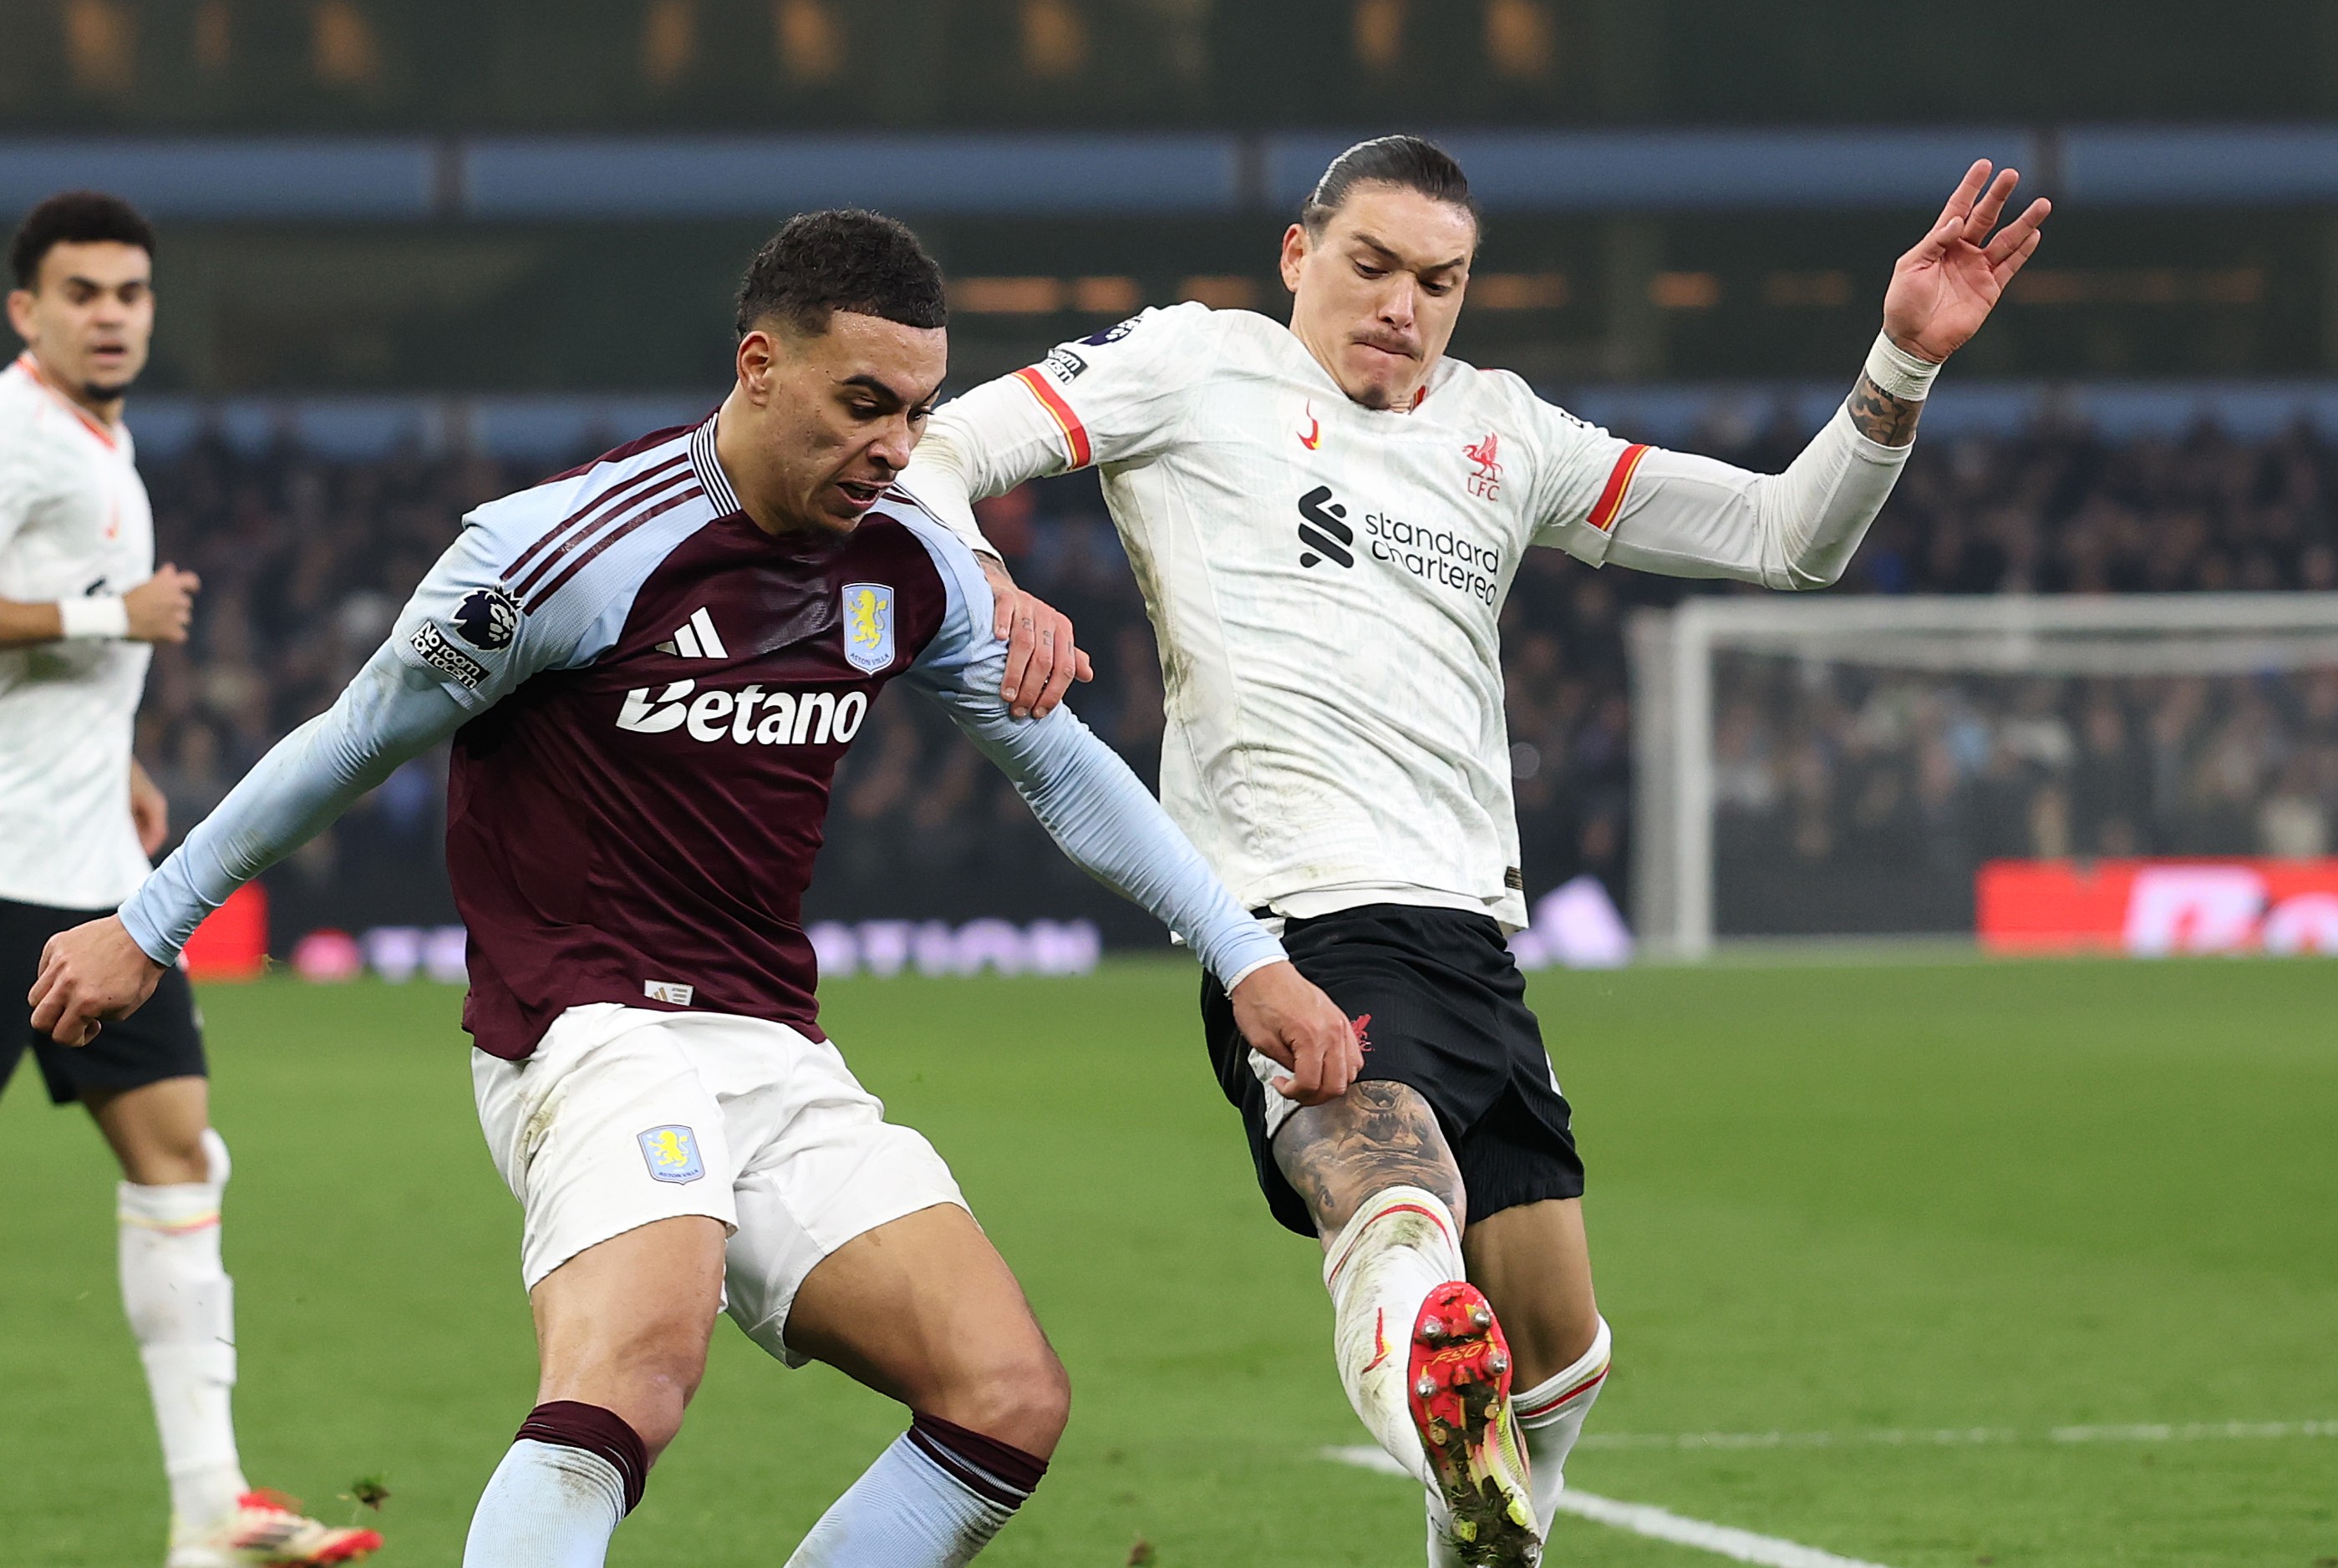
1726 1540
1660 1524
1965 1436
1722 1540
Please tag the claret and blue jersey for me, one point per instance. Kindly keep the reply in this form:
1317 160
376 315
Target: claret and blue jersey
649 696
635 819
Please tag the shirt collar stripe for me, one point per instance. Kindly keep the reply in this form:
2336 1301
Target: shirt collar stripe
708 468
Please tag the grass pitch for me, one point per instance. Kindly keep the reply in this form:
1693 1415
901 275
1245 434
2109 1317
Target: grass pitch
1828 1205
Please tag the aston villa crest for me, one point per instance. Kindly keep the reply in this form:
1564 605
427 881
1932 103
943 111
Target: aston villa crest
867 626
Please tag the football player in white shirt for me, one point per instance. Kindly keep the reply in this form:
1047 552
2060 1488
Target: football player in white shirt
80 602
1325 520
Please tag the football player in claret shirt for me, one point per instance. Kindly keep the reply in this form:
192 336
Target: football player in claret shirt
81 603
1325 519
650 668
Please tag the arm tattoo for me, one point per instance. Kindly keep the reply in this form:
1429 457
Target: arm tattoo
1886 420
1378 1135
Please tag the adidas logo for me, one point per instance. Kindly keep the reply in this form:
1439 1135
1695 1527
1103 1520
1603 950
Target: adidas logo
696 637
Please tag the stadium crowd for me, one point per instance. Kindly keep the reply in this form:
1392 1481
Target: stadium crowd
305 559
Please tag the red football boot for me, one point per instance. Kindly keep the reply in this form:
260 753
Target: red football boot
1459 1391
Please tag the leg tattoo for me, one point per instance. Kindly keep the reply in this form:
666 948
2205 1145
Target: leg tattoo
1376 1136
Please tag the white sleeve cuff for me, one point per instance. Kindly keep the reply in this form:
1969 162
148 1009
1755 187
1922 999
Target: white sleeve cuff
98 616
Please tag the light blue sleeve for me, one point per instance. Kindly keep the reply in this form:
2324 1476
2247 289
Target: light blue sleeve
464 629
1095 809
462 643
392 711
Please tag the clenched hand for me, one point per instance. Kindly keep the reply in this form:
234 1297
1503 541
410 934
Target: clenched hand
89 974
159 608
1291 1023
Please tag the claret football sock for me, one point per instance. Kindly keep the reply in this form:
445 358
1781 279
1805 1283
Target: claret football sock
572 1475
1401 1245
181 1309
932 1500
1552 1413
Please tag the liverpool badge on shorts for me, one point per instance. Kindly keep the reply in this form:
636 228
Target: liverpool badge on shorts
673 1154
868 626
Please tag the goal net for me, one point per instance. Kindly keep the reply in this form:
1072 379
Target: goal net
2150 772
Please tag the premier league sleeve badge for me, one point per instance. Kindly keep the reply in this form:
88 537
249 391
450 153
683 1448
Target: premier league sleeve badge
487 619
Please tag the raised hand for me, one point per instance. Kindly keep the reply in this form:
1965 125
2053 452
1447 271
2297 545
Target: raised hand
1944 289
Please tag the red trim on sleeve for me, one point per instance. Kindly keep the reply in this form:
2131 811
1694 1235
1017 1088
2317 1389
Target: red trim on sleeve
1619 481
1076 435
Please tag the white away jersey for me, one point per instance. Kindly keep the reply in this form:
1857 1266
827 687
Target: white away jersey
73 521
1325 582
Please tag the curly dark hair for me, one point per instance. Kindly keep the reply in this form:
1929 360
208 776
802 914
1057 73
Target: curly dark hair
1409 162
75 217
842 259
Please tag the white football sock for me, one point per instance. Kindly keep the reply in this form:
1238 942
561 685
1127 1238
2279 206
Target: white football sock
1550 1419
547 1505
181 1309
920 1506
1401 1245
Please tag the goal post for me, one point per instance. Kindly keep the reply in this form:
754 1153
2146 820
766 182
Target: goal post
1820 765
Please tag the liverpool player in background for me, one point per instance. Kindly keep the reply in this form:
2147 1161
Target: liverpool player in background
1325 520
650 668
80 603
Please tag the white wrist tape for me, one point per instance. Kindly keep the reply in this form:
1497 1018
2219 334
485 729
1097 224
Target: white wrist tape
1898 373
99 615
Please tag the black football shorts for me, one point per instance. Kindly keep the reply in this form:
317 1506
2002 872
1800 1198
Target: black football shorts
163 1039
1447 1014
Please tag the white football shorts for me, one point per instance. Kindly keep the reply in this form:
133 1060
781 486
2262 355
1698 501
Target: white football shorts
624 1116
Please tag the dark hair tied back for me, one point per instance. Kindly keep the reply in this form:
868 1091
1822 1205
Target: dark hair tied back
1409 162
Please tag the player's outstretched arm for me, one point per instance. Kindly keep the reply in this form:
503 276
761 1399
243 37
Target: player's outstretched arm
107 969
1689 517
1103 817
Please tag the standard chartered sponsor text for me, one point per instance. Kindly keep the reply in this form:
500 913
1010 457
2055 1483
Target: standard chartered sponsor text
1439 555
